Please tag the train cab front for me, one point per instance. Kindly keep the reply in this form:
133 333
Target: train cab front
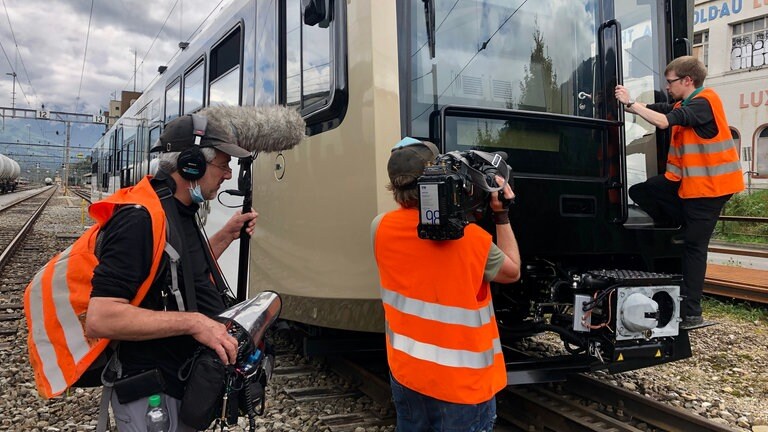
614 320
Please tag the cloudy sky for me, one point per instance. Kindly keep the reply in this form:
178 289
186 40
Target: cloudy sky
44 43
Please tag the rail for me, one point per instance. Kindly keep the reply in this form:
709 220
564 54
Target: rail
758 231
636 406
741 283
8 252
82 193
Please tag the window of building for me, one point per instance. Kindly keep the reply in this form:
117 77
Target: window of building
761 153
748 44
701 46
193 88
224 70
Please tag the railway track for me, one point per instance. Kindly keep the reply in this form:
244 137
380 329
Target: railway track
586 404
580 404
17 219
82 193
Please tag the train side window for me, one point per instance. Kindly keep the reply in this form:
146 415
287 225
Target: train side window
194 88
117 147
154 135
308 61
224 70
172 100
312 61
126 179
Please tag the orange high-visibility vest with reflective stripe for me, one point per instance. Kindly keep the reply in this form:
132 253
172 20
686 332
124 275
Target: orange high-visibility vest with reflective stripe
56 301
705 167
442 339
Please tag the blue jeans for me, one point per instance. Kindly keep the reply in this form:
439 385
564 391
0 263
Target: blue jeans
417 412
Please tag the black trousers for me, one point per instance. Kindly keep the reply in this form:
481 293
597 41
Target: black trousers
698 217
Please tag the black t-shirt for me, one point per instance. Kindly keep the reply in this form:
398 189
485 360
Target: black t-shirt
696 114
124 263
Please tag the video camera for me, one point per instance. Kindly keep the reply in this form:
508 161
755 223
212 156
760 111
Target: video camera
454 191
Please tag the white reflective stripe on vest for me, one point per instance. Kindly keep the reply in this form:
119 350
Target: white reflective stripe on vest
438 312
697 148
712 170
674 169
45 350
443 356
65 314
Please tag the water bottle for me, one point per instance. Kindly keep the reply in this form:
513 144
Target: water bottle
157 415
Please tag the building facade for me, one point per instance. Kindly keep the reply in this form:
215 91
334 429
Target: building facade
731 38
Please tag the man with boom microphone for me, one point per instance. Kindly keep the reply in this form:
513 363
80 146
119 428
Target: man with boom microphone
158 301
443 345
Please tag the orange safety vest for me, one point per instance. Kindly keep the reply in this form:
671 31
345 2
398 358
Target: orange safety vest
56 301
442 339
705 167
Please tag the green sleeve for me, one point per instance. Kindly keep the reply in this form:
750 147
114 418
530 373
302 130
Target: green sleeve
494 262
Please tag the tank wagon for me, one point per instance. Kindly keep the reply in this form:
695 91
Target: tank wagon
532 79
9 174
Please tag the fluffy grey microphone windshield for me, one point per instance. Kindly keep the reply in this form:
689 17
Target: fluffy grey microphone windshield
261 129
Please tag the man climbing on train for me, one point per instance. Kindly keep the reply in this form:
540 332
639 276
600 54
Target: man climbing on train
703 170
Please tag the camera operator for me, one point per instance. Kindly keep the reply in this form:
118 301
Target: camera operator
443 346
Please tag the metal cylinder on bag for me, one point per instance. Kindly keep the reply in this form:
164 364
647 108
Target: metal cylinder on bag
247 321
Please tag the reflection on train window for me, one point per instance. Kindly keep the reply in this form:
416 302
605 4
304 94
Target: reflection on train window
508 55
226 90
193 88
172 100
224 70
266 57
154 135
643 67
532 145
308 61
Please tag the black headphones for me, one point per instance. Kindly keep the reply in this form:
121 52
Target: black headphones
191 163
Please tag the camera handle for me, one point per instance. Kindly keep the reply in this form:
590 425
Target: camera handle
478 177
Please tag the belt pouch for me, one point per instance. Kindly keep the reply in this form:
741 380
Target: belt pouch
135 387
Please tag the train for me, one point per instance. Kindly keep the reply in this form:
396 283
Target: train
9 174
532 79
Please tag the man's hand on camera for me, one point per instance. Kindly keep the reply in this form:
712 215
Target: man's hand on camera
500 207
213 334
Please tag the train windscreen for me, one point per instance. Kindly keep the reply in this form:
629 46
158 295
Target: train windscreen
540 56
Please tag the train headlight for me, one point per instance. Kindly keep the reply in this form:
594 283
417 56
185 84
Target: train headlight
647 312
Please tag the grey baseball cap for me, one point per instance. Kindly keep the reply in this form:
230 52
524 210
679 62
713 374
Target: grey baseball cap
179 134
408 159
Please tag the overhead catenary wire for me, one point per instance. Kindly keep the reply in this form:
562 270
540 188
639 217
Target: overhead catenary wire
18 54
161 30
85 56
152 44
